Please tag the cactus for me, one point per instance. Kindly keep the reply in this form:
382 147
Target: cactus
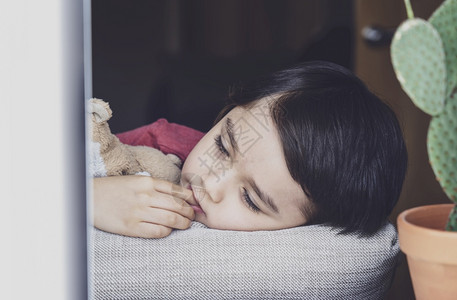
424 57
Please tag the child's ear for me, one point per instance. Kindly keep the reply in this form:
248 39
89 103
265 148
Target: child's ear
100 110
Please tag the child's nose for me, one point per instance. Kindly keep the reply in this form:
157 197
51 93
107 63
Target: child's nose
220 185
211 187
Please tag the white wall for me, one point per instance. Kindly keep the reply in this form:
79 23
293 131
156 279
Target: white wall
42 185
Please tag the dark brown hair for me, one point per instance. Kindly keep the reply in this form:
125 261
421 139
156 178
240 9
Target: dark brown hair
341 143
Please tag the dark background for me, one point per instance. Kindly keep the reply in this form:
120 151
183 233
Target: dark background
176 59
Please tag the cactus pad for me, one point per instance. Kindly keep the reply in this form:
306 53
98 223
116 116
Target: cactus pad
444 19
442 147
419 63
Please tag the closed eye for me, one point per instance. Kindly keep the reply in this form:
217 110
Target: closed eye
220 146
249 202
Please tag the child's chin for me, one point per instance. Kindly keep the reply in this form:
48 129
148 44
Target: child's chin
199 218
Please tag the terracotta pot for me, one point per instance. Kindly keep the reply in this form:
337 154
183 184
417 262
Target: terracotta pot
431 251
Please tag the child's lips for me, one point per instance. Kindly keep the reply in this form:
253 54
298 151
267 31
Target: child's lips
197 209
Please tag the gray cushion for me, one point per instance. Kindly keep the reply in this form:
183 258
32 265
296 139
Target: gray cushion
310 262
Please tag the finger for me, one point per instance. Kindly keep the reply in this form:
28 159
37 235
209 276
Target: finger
173 189
149 230
165 218
167 202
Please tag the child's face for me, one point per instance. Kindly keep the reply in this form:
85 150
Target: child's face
238 163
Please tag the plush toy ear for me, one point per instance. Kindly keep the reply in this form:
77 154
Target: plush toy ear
100 110
174 159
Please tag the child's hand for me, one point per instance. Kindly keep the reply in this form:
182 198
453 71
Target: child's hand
140 206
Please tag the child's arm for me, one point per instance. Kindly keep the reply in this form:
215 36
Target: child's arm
140 206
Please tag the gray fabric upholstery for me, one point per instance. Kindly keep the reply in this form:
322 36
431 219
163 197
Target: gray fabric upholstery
311 262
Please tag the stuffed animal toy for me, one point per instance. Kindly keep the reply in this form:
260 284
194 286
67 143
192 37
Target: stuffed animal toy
109 157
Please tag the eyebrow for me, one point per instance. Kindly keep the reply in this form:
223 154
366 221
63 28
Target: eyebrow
234 144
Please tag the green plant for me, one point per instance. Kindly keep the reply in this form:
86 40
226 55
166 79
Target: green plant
424 57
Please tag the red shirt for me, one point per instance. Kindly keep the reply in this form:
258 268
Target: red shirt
167 137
